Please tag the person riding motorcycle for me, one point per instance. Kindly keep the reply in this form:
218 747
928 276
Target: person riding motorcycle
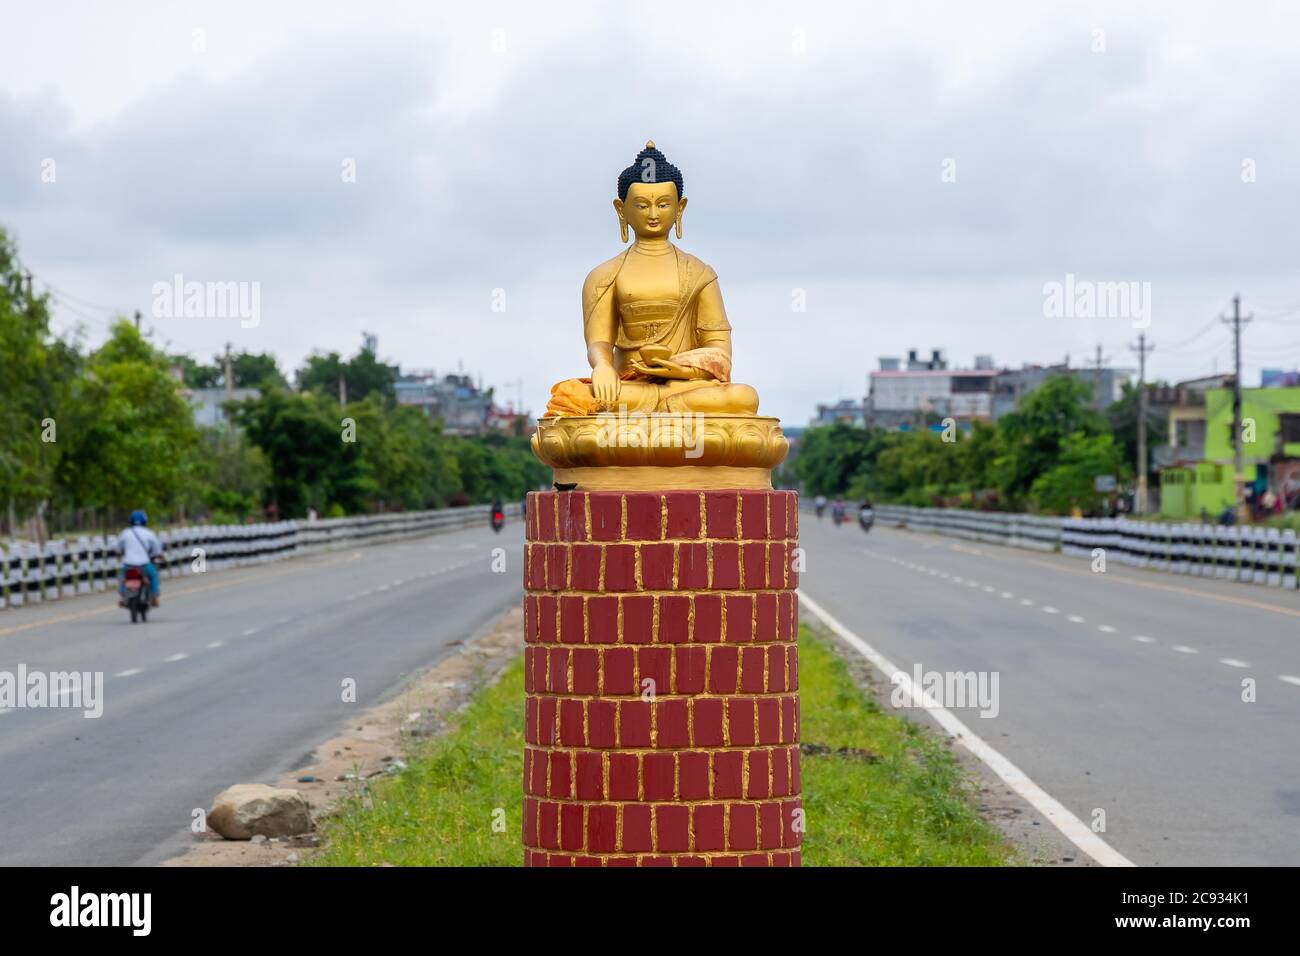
820 504
138 547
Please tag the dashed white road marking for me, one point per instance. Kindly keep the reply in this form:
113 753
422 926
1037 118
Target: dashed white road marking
1007 594
1048 609
1026 602
1075 619
129 672
1074 829
1291 679
249 633
957 580
1233 662
6 711
1143 639
987 589
1184 649
1105 629
215 644
175 657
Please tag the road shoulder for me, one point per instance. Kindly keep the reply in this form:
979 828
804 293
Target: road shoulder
373 744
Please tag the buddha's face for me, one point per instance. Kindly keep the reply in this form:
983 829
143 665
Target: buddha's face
651 209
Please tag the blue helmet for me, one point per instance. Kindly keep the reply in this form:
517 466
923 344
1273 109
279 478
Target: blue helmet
139 517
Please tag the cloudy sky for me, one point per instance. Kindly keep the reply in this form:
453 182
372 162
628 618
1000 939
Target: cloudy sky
914 173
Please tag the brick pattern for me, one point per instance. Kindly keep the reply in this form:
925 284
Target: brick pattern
661 723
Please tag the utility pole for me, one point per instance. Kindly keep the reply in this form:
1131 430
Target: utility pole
1142 350
137 320
1238 452
229 375
1096 389
343 389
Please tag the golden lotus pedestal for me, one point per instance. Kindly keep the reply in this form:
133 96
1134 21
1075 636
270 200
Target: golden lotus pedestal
661 451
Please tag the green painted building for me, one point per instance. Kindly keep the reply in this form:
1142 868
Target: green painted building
1269 408
1271 449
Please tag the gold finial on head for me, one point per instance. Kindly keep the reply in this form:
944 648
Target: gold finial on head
649 144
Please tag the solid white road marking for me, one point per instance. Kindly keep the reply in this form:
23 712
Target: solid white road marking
1071 826
1183 649
1232 662
130 672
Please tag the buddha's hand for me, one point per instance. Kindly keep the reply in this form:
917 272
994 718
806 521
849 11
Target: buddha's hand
666 368
604 385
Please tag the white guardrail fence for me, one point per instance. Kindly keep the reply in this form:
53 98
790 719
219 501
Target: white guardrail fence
1263 556
30 573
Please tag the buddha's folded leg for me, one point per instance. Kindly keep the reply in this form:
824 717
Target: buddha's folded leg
712 397
573 397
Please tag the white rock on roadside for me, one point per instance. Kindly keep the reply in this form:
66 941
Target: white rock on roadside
254 809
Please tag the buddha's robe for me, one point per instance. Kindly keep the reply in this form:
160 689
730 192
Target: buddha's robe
674 322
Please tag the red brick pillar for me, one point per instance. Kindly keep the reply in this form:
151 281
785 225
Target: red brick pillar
693 591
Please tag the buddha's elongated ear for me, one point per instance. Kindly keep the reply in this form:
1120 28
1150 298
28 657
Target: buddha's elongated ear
622 223
681 208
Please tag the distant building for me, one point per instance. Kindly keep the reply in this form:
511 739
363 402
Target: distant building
1014 384
1196 472
208 403
846 411
463 407
1184 404
901 397
1278 378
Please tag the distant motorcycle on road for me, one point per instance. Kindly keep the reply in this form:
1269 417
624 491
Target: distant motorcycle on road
866 516
498 516
138 594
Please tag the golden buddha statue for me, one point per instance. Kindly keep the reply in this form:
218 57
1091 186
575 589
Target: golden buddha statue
659 347
657 333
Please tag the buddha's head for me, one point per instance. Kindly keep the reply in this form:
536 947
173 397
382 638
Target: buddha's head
650 196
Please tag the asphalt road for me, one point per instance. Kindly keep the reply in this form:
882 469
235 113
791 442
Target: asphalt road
1120 691
235 679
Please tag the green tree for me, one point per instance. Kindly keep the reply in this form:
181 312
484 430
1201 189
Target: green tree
1123 418
831 457
256 370
35 372
1070 482
129 439
302 437
364 375
1032 437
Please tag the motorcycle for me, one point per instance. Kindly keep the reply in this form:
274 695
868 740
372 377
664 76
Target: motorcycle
138 595
498 520
866 518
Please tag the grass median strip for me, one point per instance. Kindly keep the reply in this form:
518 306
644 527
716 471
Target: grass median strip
877 790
